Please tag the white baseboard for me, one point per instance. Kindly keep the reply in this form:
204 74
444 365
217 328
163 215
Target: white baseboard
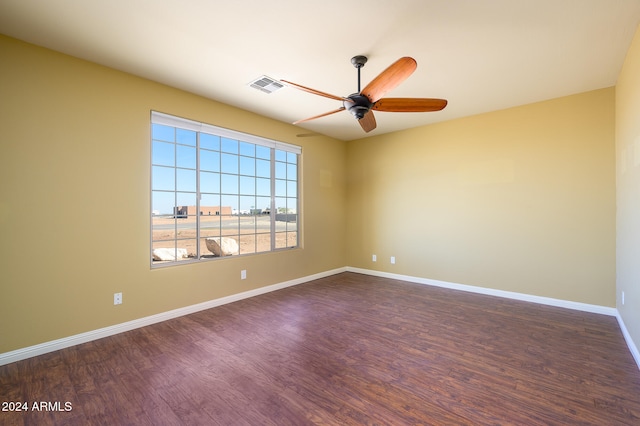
598 309
54 345
627 337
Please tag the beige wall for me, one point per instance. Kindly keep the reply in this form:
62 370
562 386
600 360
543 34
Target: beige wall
628 190
521 200
75 137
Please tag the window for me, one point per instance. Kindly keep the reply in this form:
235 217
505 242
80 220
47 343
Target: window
216 192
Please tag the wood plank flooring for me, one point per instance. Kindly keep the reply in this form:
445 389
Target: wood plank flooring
345 350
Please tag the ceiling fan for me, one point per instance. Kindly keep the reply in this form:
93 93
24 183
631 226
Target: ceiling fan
365 101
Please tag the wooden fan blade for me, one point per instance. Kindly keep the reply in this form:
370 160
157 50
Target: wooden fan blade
410 104
388 79
368 122
318 116
314 91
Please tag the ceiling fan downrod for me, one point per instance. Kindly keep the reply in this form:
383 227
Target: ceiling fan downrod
358 62
358 104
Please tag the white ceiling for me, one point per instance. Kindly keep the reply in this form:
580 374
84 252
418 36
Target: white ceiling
481 55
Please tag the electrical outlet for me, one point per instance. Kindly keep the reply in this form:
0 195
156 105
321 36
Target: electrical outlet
393 260
374 258
117 298
243 274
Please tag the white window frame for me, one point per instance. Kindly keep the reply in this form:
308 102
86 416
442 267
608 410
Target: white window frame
273 214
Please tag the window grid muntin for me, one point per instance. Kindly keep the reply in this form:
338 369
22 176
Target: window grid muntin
257 153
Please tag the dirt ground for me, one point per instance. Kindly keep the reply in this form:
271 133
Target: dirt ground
252 233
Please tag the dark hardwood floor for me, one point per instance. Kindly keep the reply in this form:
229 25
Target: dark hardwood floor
345 350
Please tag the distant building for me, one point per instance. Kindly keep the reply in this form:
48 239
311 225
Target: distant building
184 211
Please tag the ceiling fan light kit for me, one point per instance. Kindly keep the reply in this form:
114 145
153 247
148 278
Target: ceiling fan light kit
362 103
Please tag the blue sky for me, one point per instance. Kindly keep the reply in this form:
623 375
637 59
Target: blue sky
227 168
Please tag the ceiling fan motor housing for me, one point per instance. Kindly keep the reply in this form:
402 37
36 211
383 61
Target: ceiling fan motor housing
358 105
